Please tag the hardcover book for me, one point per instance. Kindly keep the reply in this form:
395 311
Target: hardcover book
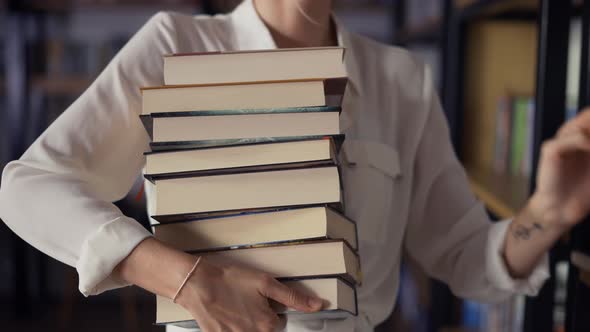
251 189
198 159
252 95
197 126
258 65
251 229
339 296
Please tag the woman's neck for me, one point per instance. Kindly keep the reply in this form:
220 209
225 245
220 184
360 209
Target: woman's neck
298 23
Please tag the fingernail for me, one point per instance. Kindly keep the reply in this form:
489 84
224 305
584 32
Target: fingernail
315 302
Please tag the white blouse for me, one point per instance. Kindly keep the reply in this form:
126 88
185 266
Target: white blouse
403 184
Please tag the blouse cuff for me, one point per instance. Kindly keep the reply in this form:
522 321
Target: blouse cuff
104 250
497 270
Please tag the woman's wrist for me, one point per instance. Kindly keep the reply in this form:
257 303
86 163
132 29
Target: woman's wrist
546 213
530 235
155 267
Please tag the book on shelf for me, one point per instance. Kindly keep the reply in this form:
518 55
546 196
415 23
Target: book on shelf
251 95
339 297
219 157
250 189
174 127
515 119
492 72
526 168
522 136
503 135
258 65
239 228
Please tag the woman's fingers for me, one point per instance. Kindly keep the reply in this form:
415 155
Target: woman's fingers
273 289
580 123
271 322
282 322
574 142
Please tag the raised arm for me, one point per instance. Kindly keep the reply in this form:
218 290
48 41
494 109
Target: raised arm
449 232
561 200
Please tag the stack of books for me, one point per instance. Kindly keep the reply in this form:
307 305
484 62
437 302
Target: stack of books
243 167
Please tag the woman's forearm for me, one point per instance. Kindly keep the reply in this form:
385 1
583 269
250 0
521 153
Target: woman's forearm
155 267
220 298
530 235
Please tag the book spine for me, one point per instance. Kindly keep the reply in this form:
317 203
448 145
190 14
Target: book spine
502 146
218 143
527 165
319 109
519 125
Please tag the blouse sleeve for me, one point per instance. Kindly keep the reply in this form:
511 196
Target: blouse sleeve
58 196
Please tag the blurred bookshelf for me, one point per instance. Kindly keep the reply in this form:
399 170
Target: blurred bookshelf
480 51
492 57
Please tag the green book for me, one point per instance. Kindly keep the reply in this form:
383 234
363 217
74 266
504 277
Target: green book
519 134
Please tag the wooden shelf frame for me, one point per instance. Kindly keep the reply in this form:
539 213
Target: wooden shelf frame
503 195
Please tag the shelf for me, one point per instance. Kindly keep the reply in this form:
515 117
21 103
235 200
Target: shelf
67 5
483 8
427 32
503 195
70 85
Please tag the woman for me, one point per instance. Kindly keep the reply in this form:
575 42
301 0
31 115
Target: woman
408 190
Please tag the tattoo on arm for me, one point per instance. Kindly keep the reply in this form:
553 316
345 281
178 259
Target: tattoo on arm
522 232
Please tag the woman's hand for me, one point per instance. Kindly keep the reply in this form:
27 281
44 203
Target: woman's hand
220 297
561 199
231 298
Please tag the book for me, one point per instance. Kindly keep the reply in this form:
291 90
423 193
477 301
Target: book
173 218
492 70
519 134
503 135
246 190
334 258
287 225
218 143
258 65
197 159
241 170
252 95
197 127
148 119
526 168
339 297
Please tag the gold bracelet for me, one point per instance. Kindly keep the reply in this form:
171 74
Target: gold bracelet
186 279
